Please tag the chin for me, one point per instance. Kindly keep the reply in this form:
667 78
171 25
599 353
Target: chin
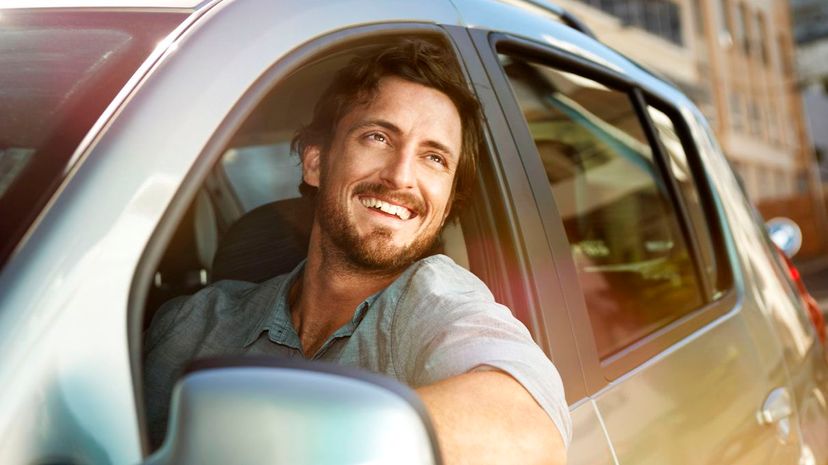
378 253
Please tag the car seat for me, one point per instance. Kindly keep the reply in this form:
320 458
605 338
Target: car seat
265 242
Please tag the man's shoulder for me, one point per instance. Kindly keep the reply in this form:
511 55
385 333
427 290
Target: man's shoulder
439 275
230 293
223 302
439 290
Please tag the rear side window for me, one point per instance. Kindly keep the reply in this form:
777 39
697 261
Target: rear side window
714 270
58 71
261 174
632 255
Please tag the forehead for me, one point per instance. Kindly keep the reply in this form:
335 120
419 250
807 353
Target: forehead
413 108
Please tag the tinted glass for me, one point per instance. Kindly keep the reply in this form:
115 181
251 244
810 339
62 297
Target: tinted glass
58 72
633 261
262 174
716 270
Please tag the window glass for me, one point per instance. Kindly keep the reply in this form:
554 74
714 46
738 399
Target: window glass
250 221
680 169
633 261
59 70
262 174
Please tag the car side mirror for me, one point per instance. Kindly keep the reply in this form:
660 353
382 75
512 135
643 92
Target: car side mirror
785 233
272 411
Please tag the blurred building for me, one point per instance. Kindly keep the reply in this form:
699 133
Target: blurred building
811 34
736 60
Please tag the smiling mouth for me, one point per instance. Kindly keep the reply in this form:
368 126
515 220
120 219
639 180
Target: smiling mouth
399 211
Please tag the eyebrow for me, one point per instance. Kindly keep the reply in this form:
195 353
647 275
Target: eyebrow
391 127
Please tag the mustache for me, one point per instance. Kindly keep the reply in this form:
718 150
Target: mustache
406 199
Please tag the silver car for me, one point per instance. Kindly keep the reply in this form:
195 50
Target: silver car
140 142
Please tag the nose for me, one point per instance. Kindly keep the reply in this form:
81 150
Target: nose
398 170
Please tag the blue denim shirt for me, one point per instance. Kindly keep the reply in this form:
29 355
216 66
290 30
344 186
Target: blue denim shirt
436 320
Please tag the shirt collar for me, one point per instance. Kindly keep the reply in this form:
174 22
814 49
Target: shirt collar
276 320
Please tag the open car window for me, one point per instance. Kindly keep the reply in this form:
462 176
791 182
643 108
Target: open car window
250 221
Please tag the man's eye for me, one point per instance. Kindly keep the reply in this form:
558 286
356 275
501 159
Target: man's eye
437 159
377 137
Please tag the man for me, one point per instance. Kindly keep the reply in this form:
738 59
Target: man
390 153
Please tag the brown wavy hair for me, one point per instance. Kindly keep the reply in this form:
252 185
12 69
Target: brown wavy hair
426 62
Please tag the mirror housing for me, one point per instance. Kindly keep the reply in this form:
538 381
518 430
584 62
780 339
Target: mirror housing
272 411
785 233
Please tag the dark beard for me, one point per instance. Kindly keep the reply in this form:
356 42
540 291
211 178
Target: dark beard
373 253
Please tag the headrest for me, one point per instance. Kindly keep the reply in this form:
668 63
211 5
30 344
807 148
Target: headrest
265 242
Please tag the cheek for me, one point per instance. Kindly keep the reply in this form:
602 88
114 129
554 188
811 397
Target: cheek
440 196
355 164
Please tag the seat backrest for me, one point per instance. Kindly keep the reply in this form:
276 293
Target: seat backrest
265 242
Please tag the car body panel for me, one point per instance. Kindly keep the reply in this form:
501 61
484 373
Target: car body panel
66 290
69 358
652 401
696 403
590 444
792 346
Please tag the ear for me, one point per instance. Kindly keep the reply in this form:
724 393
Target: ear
311 165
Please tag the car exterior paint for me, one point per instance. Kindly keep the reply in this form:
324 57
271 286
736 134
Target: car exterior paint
71 346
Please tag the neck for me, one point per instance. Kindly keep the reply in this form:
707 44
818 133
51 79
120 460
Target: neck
328 292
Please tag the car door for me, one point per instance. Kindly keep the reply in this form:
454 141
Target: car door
517 262
675 365
72 300
771 299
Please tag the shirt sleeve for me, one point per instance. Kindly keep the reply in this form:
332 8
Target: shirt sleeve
441 332
184 329
161 367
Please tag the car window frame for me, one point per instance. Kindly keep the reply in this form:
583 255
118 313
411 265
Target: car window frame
600 373
519 263
488 258
704 187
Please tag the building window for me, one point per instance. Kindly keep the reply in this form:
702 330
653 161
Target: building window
698 18
736 113
802 182
725 18
785 58
762 37
744 19
754 119
773 131
659 17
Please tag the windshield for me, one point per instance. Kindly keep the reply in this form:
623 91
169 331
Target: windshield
59 69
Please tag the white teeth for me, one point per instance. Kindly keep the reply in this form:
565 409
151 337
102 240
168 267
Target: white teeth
401 212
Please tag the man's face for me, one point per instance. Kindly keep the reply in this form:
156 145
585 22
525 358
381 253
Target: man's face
386 180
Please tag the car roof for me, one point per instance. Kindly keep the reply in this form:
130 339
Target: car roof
108 4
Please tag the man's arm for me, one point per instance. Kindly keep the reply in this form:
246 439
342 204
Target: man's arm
487 417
